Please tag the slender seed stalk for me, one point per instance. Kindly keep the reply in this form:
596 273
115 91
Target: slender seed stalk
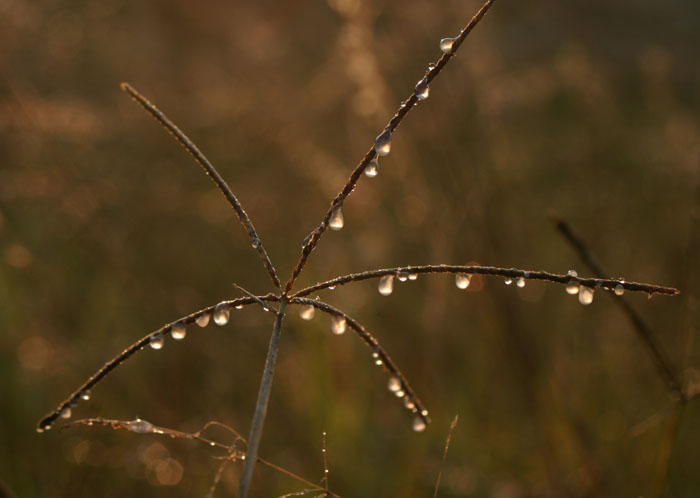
261 405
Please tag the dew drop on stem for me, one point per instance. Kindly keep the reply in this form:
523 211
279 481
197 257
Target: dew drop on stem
203 319
178 331
520 282
156 341
462 280
338 325
141 426
307 312
418 424
394 384
402 275
221 314
382 144
85 395
372 168
585 295
66 412
413 276
619 289
508 280
408 403
386 285
446 44
336 220
422 89
573 286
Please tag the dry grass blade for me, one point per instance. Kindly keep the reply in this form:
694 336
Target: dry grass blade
381 357
405 107
211 171
83 391
444 454
605 283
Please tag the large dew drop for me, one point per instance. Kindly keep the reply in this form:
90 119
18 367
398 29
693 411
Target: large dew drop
520 282
462 280
156 341
372 168
422 89
508 280
585 295
446 44
307 312
573 286
336 221
203 319
394 384
178 331
382 144
221 313
619 289
386 285
402 275
66 412
141 426
338 325
418 424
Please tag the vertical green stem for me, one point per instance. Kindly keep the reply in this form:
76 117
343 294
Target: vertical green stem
261 405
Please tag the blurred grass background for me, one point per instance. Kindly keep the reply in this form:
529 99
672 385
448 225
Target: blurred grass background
108 230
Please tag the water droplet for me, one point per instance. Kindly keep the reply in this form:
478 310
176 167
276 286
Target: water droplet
141 426
336 220
307 312
418 424
462 280
446 44
408 403
520 282
422 89
573 286
85 395
203 319
43 428
255 243
331 287
394 384
377 357
400 393
413 276
619 289
239 306
178 331
338 325
431 66
508 280
372 168
221 313
382 144
585 295
66 412
386 285
156 341
402 275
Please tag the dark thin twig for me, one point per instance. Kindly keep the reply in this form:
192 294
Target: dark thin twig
211 171
107 368
605 283
403 110
644 332
444 454
379 353
138 425
262 303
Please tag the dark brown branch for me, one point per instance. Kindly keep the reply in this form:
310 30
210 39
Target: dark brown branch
378 352
444 454
644 332
608 284
158 115
405 107
142 426
46 422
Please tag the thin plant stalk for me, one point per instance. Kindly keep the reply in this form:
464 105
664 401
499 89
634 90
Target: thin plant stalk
261 405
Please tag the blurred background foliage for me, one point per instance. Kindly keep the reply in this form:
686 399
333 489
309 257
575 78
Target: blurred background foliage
108 230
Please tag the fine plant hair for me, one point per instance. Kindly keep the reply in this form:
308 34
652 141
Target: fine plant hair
283 298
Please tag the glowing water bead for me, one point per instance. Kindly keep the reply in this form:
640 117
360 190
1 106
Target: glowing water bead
520 282
408 403
178 331
336 220
85 395
508 280
338 325
573 286
203 319
418 424
462 280
382 144
66 412
446 44
402 275
620 289
141 426
422 89
386 285
413 276
221 313
585 295
377 358
307 312
372 168
156 341
239 306
394 384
